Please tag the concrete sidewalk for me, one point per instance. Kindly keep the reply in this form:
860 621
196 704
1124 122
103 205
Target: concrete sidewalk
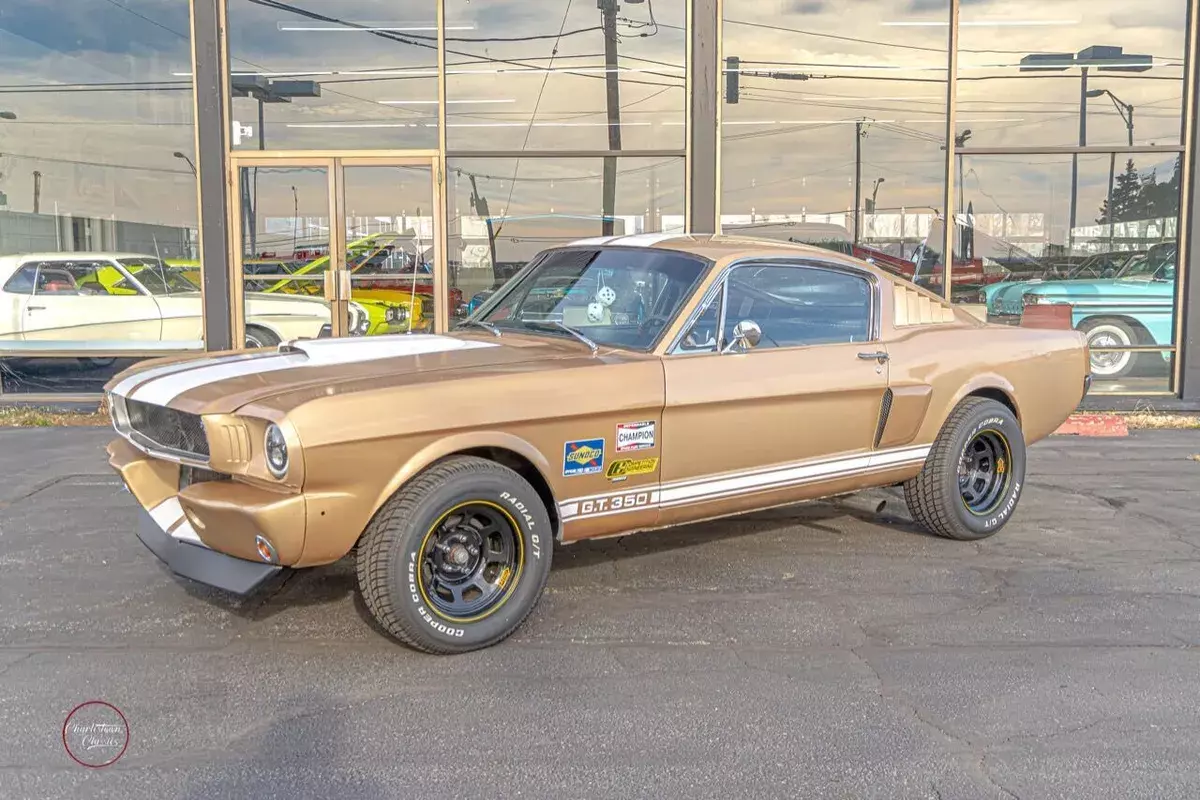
825 650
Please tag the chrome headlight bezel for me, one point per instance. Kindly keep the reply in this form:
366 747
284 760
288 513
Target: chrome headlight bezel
274 441
358 321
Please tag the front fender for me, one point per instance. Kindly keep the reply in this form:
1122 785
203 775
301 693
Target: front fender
459 443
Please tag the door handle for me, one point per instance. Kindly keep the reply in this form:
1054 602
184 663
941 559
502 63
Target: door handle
878 356
35 308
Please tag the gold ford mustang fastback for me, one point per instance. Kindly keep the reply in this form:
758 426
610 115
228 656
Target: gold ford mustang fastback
614 385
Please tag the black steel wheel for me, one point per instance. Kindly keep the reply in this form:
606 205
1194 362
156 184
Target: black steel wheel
457 558
471 560
983 472
973 477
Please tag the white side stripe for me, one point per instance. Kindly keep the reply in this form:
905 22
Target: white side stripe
696 490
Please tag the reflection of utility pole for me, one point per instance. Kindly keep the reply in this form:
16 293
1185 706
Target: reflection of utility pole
612 85
295 219
859 133
479 205
37 191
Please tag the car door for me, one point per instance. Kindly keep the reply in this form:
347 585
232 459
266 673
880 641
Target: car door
69 303
750 427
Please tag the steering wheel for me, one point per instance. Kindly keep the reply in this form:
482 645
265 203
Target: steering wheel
666 320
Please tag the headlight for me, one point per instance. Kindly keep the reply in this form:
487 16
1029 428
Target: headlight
358 322
277 451
397 315
1034 299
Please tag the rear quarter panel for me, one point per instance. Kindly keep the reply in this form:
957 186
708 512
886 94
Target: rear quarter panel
1041 371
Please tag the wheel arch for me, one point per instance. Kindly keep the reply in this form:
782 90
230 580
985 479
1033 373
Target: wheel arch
990 387
1099 319
503 448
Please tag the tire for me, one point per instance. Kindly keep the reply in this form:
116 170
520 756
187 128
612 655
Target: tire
936 496
1107 332
399 554
260 337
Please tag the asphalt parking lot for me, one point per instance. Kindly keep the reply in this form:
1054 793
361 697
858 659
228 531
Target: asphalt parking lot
829 650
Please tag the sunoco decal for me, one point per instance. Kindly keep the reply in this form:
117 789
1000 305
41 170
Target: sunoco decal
635 436
583 457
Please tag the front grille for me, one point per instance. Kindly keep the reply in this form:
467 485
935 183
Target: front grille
190 475
168 429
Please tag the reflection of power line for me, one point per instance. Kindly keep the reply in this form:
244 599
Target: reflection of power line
94 163
533 115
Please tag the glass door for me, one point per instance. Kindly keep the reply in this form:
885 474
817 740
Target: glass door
337 246
283 271
390 245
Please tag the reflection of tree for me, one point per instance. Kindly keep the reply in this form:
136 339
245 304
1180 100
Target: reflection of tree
1136 196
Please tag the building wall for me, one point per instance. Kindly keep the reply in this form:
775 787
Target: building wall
563 120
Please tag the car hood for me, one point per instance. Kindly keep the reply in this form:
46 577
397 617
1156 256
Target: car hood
1009 298
312 368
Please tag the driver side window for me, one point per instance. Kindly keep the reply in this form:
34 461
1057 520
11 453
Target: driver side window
795 306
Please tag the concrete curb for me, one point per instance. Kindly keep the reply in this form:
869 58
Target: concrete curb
1093 425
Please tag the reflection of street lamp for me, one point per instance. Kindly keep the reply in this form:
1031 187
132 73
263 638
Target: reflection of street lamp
1126 112
875 192
1103 58
178 154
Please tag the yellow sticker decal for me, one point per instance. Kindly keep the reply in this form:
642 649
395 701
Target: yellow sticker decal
502 581
620 470
1000 466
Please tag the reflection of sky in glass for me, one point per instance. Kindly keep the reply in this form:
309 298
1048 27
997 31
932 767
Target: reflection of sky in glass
807 76
100 109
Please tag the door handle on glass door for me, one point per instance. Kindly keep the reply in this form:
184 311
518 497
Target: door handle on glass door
879 356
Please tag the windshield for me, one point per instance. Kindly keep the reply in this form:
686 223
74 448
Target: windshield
156 277
1158 263
618 297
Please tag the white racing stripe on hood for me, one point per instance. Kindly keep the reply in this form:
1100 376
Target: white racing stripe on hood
123 388
312 353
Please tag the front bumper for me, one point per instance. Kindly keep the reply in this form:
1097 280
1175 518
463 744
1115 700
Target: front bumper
202 564
206 530
1003 319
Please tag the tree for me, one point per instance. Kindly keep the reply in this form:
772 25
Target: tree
1126 197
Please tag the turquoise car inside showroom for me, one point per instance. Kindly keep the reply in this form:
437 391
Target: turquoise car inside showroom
1134 309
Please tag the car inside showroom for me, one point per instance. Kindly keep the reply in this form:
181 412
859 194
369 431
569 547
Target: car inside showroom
182 177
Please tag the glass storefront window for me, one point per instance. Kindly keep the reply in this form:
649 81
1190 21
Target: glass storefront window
1018 261
502 212
356 74
1026 77
98 218
565 75
58 376
833 133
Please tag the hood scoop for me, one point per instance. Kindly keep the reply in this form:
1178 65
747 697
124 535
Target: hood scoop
323 352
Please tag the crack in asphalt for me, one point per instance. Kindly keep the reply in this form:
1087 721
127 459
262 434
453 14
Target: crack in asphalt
44 485
968 755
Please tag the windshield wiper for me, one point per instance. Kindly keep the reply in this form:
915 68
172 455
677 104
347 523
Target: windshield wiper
558 324
487 326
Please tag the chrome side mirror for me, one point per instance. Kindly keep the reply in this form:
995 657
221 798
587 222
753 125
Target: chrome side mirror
746 334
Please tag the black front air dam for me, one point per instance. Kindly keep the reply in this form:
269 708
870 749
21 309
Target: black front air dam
202 565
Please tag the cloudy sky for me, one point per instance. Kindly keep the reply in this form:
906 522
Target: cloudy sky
101 93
